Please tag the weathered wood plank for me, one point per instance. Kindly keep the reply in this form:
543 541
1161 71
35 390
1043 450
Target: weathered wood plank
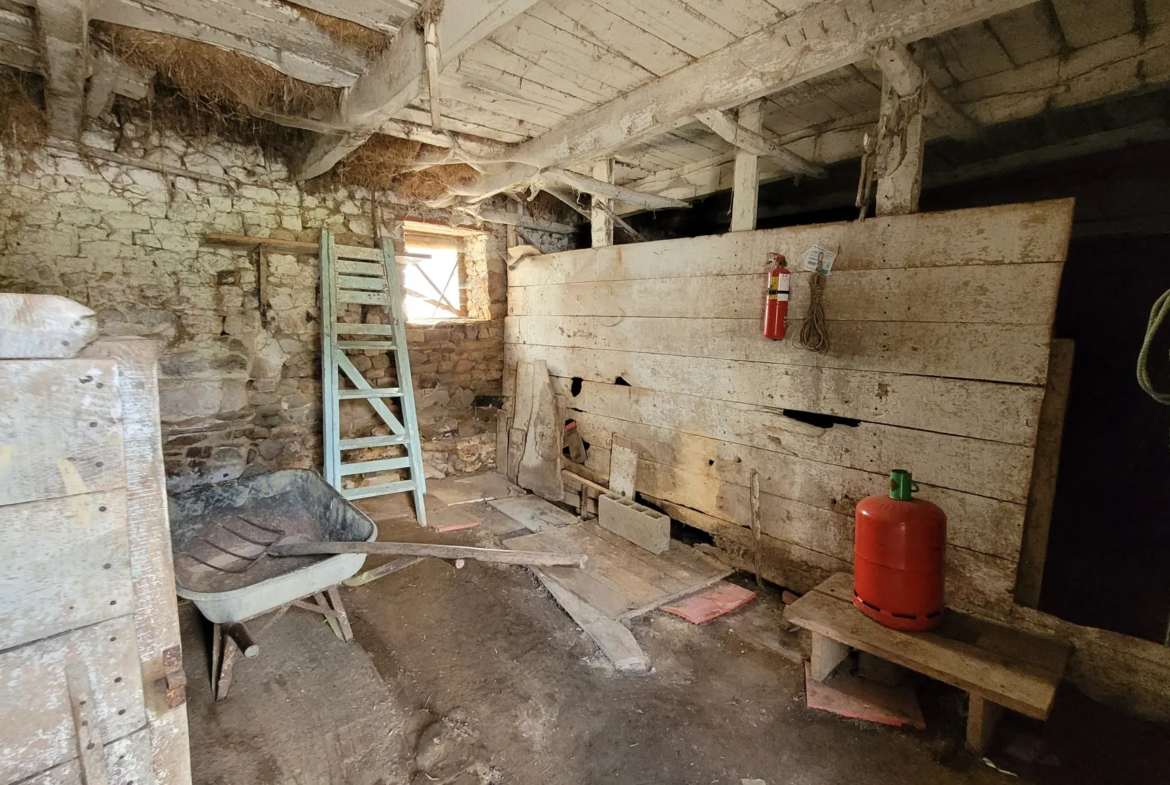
1034 551
972 579
78 449
977 523
129 760
1022 294
156 615
43 325
946 655
1008 234
67 565
36 723
1000 353
956 406
986 468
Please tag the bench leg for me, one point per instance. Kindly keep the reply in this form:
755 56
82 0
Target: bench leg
827 654
982 716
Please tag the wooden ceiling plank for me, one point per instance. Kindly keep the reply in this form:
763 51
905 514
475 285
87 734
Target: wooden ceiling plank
1027 34
673 22
395 77
374 14
972 52
1086 22
827 37
562 51
490 55
64 32
601 26
740 18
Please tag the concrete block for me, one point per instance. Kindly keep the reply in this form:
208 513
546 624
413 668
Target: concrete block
640 525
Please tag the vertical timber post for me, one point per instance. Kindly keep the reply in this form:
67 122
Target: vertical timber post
901 142
746 186
602 223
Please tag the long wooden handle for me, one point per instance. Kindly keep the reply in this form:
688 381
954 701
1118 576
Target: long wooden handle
535 558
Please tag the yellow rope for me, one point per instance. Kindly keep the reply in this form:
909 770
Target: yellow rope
814 333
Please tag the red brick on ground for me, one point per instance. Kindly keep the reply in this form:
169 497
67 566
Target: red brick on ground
710 603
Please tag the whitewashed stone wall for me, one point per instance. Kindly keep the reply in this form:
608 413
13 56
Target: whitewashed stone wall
240 387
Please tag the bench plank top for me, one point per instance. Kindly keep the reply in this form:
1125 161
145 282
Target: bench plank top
1010 667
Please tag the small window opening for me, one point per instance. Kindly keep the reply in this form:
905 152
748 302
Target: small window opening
432 290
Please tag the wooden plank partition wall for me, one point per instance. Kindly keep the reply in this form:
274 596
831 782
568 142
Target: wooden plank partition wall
940 326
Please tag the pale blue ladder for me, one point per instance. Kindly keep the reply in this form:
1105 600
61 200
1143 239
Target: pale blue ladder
367 276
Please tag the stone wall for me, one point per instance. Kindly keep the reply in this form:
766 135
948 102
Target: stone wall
240 379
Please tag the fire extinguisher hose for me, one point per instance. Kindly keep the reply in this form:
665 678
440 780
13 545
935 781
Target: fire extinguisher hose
1158 315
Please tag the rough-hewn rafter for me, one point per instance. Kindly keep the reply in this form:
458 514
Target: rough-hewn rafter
822 38
746 139
276 35
396 77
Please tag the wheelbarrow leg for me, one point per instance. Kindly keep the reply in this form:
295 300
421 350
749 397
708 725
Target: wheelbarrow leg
223 657
342 616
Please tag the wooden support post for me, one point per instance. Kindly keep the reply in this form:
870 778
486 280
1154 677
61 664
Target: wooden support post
64 30
746 186
900 146
602 223
982 716
827 654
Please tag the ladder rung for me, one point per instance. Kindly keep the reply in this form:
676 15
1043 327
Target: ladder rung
341 328
357 252
362 442
379 490
383 346
363 284
350 267
363 298
384 465
377 392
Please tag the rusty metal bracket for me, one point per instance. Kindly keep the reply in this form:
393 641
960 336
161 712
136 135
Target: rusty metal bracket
174 679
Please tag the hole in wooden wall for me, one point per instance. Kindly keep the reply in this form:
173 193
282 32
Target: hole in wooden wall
820 420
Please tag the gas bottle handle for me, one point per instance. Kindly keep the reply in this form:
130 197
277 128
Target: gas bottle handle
895 486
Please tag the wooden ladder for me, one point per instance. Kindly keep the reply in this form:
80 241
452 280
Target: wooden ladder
367 276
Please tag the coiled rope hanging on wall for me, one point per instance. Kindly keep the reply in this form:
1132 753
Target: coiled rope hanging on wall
814 332
1158 315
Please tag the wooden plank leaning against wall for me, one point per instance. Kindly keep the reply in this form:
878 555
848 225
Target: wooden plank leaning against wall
940 325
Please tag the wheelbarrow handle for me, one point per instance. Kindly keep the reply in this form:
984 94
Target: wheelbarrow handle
496 555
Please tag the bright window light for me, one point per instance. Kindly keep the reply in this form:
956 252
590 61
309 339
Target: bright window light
433 285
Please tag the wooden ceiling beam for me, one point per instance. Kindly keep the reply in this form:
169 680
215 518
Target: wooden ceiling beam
821 38
735 134
396 76
906 77
64 34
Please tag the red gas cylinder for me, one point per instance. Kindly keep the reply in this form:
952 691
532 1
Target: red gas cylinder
898 555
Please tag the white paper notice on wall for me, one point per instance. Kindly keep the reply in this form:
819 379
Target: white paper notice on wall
819 258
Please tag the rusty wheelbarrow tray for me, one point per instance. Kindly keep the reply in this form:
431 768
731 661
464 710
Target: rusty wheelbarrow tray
221 533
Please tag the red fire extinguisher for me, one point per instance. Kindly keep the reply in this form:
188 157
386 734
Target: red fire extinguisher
776 309
898 556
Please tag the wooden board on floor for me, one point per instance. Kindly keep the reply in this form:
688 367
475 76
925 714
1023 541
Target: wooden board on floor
533 512
621 580
1010 667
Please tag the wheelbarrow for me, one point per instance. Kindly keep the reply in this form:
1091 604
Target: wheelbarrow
221 535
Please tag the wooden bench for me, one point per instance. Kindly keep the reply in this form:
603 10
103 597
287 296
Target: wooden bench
999 666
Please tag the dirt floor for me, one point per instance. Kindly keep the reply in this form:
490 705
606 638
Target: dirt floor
476 675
